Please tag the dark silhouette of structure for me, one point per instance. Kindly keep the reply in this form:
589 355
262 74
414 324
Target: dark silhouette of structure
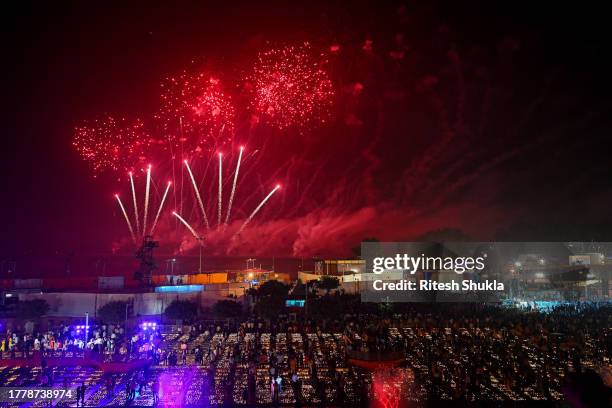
147 263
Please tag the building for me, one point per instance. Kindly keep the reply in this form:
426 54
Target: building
76 286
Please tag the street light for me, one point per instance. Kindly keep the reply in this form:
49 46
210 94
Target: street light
200 241
86 329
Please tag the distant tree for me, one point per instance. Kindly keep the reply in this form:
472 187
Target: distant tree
329 283
113 312
273 288
313 285
32 309
270 307
181 310
227 309
270 298
299 289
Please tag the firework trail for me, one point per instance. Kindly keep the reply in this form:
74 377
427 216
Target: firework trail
256 210
146 204
161 205
197 193
196 117
135 203
185 223
231 199
289 89
127 219
220 200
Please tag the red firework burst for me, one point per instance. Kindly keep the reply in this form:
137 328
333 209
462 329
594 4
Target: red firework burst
196 114
112 144
291 88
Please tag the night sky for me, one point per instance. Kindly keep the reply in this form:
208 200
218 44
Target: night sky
495 123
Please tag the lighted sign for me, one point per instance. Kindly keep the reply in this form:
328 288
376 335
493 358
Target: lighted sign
179 289
295 303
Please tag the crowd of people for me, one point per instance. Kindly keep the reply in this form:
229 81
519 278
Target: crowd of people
465 352
459 352
108 342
